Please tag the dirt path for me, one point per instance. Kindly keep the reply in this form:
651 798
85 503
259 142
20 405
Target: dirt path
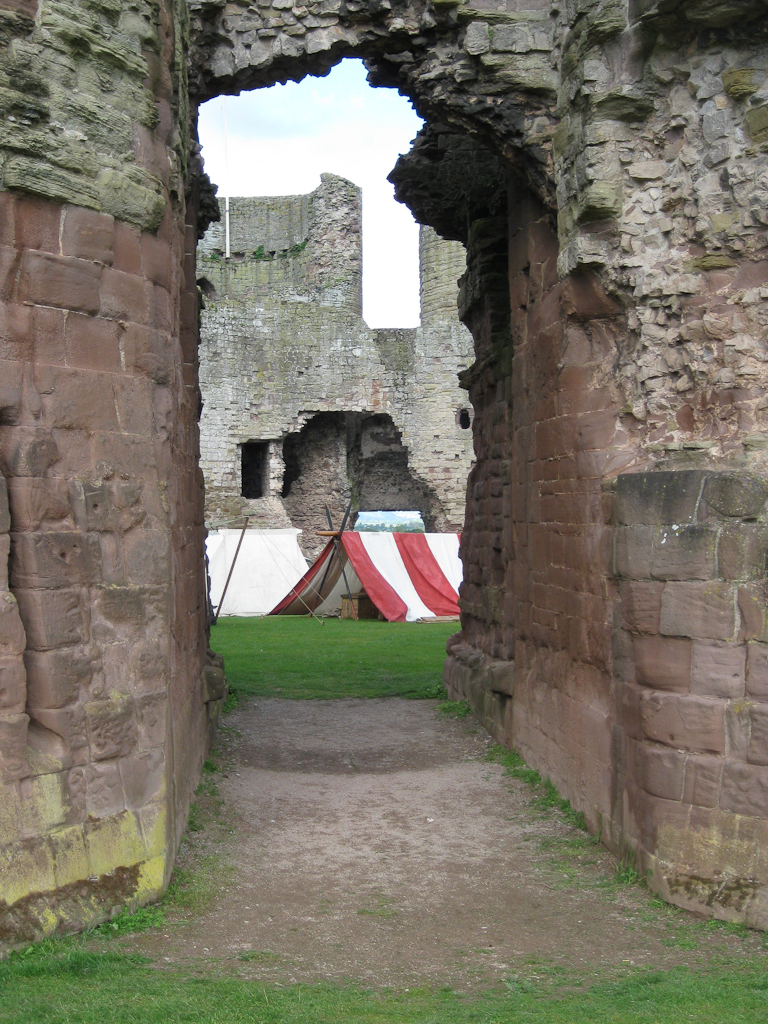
373 841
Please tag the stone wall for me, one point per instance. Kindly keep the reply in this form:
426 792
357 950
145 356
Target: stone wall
103 638
284 345
605 165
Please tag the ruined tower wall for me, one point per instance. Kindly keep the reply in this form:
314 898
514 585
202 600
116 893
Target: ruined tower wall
102 645
283 339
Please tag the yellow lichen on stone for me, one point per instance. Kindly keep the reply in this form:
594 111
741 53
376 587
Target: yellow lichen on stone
9 814
44 803
70 861
24 868
151 879
154 827
113 842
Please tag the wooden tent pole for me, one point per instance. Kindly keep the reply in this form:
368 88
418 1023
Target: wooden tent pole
231 570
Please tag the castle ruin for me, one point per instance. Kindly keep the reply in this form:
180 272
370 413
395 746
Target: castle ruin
303 403
605 163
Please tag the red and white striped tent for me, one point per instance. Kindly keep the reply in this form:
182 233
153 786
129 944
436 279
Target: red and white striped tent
408 576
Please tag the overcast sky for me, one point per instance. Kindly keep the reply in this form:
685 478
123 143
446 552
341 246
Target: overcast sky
281 139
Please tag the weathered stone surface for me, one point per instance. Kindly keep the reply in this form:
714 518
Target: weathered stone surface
718 670
663 663
705 610
684 722
112 728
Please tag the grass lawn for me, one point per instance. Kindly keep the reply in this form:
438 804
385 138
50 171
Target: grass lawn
75 986
294 656
90 979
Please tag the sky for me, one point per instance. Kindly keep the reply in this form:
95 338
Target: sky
280 140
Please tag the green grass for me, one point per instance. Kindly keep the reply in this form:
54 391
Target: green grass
77 987
545 797
293 656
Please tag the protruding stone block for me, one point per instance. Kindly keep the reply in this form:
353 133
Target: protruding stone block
757 670
69 724
684 722
661 771
112 842
702 779
56 678
736 495
660 498
44 804
52 560
757 752
641 605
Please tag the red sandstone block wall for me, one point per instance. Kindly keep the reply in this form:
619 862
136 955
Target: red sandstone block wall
103 722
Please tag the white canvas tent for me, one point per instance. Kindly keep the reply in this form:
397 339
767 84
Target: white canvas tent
270 562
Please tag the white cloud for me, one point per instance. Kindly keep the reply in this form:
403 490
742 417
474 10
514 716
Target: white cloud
281 139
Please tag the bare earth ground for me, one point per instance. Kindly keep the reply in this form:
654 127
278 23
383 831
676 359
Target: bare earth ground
372 841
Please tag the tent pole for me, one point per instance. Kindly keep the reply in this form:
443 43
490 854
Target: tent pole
231 570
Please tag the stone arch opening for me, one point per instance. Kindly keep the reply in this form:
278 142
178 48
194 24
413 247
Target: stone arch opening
614 624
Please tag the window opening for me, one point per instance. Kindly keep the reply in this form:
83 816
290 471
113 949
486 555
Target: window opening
254 468
464 419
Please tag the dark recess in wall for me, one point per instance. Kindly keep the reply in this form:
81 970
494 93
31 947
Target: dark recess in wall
254 466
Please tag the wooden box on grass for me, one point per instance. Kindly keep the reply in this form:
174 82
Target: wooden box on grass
363 605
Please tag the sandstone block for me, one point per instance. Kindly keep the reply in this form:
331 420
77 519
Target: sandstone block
53 618
69 724
92 342
658 498
660 771
151 665
88 235
44 804
51 559
146 557
47 753
744 789
214 683
35 451
154 827
700 610
37 224
152 710
113 842
741 551
124 296
633 550
13 685
13 747
752 609
26 867
757 752
10 811
56 678
684 553
143 777
157 260
702 779
663 663
127 249
718 670
121 613
12 636
70 861
757 670
63 282
741 495
37 501
112 728
684 721
76 398
478 38
104 789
